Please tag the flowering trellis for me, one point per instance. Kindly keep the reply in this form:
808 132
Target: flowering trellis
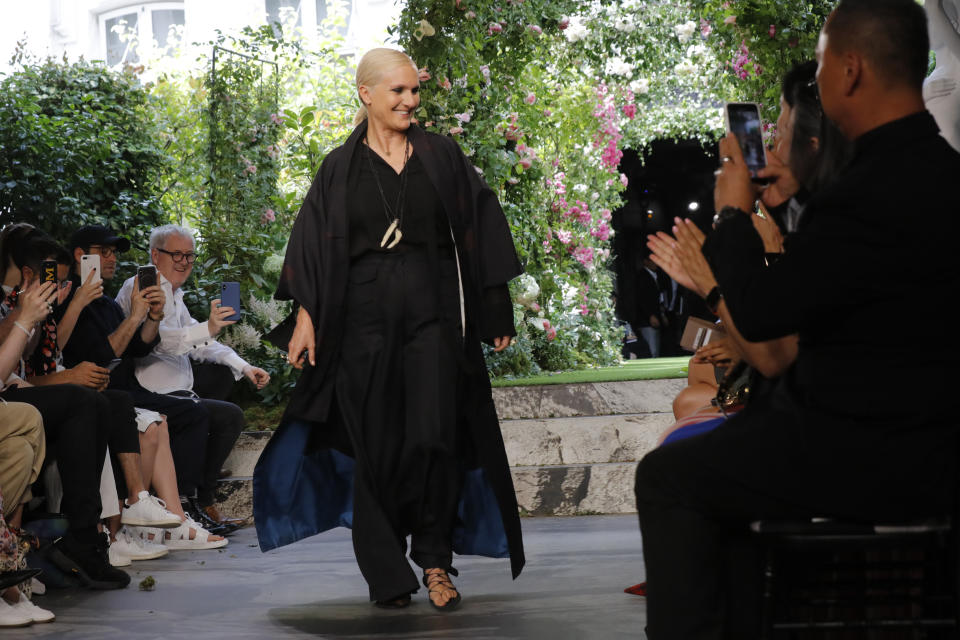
544 96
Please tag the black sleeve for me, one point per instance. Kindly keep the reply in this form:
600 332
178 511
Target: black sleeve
87 343
497 320
137 348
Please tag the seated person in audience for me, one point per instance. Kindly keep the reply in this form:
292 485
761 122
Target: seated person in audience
168 370
826 440
16 609
75 434
103 334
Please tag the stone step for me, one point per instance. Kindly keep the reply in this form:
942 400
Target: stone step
552 490
596 399
586 440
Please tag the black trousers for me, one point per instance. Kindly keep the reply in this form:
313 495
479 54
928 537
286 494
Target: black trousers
775 459
77 437
396 385
115 410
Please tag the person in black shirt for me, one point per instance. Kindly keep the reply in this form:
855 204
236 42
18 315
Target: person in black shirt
399 263
828 440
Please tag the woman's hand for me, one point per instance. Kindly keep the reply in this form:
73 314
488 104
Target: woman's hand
499 344
682 258
733 188
784 185
768 230
719 353
35 303
303 339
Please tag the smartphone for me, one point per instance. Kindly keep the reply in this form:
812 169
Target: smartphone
743 121
89 262
146 276
48 271
230 297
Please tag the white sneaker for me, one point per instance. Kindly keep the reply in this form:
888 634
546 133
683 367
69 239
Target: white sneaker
136 548
149 511
37 587
35 613
116 558
10 616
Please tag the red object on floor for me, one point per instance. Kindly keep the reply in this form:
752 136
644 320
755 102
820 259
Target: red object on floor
637 589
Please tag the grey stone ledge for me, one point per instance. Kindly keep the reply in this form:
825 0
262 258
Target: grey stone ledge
597 399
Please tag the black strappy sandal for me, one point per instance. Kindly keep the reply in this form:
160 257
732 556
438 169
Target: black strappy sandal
438 581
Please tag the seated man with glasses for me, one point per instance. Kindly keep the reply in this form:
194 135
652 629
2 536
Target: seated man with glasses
168 369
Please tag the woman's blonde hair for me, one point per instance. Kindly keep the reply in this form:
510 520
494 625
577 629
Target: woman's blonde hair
371 68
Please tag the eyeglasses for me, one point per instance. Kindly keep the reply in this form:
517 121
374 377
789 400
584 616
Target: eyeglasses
106 252
180 256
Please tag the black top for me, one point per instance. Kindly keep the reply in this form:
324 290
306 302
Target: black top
867 280
90 338
424 225
424 221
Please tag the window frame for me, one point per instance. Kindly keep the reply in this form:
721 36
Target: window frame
144 11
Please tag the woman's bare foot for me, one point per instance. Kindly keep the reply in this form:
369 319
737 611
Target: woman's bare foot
443 595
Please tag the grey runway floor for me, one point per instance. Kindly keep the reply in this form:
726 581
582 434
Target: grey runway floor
572 587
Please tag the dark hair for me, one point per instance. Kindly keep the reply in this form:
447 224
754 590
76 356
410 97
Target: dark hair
36 248
891 34
12 235
815 166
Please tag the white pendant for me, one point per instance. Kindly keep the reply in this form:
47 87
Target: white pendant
395 232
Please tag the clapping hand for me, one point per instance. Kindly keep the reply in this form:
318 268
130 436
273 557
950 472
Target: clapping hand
681 257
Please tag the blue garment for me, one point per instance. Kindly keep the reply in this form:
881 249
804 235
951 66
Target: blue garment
694 429
298 493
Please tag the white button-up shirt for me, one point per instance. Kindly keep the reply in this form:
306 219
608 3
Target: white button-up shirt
167 368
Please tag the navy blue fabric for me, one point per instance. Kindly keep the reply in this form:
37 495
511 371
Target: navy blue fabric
299 493
694 429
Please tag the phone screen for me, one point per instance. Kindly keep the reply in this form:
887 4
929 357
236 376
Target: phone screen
743 120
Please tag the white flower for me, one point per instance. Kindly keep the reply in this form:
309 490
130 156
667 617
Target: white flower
269 312
624 25
619 67
685 31
242 338
538 323
527 290
698 49
273 265
685 68
577 30
640 86
580 187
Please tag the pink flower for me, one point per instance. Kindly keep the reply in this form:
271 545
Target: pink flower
275 118
268 216
462 117
730 20
456 130
428 123
705 28
623 180
583 255
531 98
446 83
534 307
424 75
601 232
564 236
547 113
470 15
546 246
551 333
584 310
563 23
525 163
250 169
535 29
773 31
605 214
630 110
494 27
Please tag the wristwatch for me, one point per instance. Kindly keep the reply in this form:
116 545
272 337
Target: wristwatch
725 214
713 300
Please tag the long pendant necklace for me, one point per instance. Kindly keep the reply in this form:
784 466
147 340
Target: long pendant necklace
394 215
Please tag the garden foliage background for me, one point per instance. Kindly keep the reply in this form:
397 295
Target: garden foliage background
543 96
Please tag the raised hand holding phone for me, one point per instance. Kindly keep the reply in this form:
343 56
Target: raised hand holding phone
218 317
743 121
733 188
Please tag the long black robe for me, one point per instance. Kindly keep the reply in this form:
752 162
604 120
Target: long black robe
302 481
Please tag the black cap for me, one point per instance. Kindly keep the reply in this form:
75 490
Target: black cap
98 234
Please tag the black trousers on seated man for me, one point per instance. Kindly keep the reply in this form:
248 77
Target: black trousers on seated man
77 437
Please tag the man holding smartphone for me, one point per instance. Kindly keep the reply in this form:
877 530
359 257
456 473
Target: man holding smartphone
183 341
